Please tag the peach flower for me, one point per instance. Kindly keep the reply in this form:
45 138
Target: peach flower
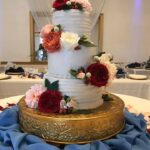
46 30
52 42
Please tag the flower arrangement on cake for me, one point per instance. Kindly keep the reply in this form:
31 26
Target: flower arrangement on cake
72 4
48 98
101 73
54 39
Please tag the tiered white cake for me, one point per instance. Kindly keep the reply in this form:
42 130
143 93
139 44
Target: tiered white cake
60 63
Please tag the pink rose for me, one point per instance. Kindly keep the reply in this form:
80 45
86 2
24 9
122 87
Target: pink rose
33 94
46 30
81 75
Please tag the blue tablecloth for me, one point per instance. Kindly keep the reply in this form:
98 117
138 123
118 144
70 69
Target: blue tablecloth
133 136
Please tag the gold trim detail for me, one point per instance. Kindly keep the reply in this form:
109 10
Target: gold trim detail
101 124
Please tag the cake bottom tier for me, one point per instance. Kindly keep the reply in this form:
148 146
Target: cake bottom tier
86 96
81 127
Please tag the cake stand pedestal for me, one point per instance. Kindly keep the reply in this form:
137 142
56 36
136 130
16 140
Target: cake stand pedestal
99 124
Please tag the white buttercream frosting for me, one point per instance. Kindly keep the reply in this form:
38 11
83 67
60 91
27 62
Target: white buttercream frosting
87 96
73 21
60 63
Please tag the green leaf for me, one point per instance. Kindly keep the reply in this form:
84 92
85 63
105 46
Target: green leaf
67 98
73 72
101 53
107 97
47 83
83 38
59 26
81 70
54 85
87 43
79 6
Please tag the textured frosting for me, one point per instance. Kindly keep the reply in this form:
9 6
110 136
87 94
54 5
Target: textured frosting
60 63
87 96
73 21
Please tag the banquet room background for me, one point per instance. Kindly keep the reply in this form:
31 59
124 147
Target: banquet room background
126 32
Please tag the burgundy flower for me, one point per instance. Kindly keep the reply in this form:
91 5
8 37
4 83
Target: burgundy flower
49 101
59 4
99 74
52 42
2 108
148 130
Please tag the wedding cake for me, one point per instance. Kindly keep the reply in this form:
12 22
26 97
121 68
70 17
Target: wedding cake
76 79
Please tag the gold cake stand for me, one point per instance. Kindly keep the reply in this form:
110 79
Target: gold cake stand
99 124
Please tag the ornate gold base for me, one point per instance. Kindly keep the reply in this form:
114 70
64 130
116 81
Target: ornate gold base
100 124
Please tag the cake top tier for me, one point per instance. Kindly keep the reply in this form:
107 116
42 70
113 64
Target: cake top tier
83 5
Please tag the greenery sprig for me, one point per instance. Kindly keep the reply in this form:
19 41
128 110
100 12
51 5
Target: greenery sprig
84 41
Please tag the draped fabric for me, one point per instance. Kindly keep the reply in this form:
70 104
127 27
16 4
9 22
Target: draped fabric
132 137
41 11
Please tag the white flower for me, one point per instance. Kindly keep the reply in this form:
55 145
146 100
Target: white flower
96 58
69 40
52 10
112 69
63 104
88 74
105 58
81 75
56 29
68 3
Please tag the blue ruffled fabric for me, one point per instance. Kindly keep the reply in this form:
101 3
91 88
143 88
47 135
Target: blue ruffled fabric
133 136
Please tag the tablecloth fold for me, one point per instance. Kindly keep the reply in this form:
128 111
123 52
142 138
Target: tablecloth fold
132 137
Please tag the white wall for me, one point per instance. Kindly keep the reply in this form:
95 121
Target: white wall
127 29
14 30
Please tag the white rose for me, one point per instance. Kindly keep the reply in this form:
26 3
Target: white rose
56 29
88 74
69 40
105 58
68 3
97 58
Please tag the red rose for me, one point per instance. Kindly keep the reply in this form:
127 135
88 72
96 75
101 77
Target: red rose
49 101
59 4
99 74
52 42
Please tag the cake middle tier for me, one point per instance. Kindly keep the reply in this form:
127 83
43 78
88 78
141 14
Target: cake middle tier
60 63
86 96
